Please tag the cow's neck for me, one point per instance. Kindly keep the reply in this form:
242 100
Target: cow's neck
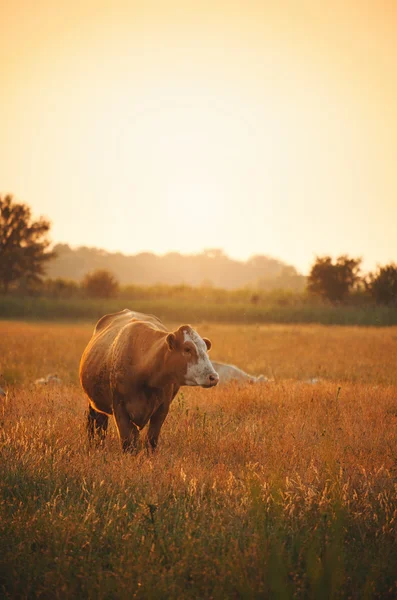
155 372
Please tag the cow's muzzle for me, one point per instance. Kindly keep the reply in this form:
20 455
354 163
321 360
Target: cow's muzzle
212 380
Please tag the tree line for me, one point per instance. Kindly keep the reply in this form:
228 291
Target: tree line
338 281
25 257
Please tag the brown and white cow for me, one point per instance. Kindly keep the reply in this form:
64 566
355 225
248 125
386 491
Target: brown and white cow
132 369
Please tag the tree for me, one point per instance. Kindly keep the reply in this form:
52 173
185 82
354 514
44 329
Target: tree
383 285
334 281
100 284
23 243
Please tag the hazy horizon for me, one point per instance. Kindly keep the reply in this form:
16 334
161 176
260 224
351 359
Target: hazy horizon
257 127
202 252
211 268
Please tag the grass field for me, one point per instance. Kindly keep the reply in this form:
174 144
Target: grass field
281 308
279 490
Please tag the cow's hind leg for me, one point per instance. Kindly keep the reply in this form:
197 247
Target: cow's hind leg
97 425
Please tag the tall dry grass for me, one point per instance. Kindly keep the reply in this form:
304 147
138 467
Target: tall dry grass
278 490
367 355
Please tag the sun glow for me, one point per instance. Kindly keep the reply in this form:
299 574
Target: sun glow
163 127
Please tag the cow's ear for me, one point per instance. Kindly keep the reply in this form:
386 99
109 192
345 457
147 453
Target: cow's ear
171 341
207 343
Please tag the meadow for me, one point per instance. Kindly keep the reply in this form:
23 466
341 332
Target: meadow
285 489
200 305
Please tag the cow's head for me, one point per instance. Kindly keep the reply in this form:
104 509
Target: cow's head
190 357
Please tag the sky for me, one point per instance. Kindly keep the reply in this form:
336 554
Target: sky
253 126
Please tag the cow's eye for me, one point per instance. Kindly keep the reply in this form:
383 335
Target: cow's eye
188 351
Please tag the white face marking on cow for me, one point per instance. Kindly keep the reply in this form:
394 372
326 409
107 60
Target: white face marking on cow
198 373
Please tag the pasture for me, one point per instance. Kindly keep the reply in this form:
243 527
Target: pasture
286 489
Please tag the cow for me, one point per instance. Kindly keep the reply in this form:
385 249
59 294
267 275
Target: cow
133 367
49 380
228 373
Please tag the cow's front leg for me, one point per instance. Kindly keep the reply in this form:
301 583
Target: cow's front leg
155 424
128 431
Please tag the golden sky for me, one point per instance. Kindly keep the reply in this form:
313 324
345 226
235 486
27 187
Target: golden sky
258 127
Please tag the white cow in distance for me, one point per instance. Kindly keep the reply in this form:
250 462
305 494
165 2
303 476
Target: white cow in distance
228 373
50 379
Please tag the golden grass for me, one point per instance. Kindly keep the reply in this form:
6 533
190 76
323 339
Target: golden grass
335 353
279 490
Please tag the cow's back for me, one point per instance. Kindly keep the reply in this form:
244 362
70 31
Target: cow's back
123 317
228 373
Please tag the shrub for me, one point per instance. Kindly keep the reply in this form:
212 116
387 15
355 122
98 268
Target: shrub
383 285
100 284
